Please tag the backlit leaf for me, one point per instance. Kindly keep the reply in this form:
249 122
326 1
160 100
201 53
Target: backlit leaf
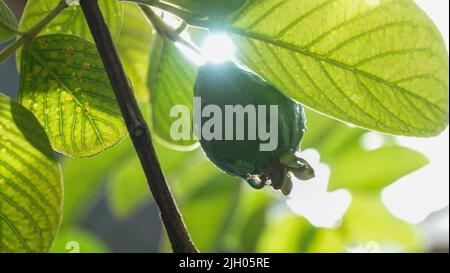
30 182
379 64
206 7
71 20
373 170
63 83
171 82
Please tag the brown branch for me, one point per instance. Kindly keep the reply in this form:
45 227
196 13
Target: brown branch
138 129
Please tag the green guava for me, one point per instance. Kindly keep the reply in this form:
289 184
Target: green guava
231 84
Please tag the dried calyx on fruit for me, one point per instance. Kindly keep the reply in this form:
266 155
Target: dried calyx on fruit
230 84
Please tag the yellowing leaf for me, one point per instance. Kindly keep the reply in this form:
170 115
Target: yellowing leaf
63 83
30 182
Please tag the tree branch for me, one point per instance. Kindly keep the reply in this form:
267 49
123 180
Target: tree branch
138 129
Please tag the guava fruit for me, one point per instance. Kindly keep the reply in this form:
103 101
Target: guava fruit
230 84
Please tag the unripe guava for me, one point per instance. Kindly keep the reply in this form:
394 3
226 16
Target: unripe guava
230 84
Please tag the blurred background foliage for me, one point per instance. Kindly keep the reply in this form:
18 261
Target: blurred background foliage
224 214
107 192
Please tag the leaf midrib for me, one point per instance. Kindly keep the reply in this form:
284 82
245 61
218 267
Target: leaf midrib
322 58
65 87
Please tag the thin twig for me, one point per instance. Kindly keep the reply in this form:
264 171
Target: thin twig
163 29
138 129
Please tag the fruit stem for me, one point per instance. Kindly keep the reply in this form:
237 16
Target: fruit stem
32 32
138 129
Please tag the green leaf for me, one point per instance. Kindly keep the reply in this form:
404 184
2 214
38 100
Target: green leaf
207 7
368 220
75 240
71 20
248 222
63 83
8 22
284 234
134 48
171 82
207 200
368 171
83 177
191 175
381 65
128 188
30 182
366 223
331 138
207 210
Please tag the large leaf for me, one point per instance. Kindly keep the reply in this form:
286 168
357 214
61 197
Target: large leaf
8 22
64 84
171 82
361 170
206 7
30 182
134 47
71 20
354 167
381 64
